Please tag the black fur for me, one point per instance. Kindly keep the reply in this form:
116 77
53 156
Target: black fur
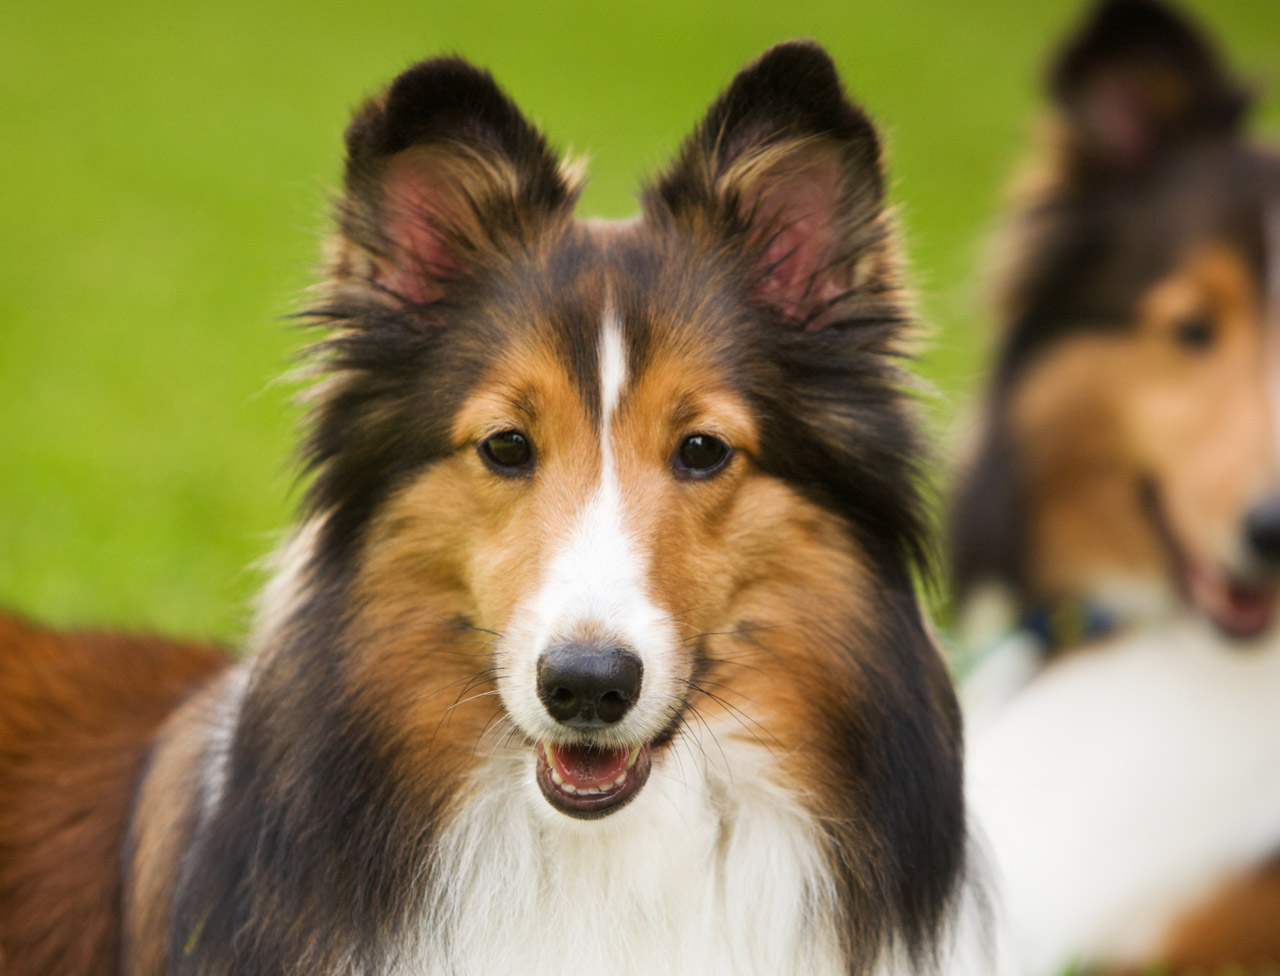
307 865
792 90
449 101
1138 46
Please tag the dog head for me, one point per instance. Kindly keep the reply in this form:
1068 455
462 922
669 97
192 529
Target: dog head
1132 453
595 446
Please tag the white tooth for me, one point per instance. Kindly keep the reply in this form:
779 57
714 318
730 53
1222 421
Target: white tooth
631 760
622 778
569 788
556 777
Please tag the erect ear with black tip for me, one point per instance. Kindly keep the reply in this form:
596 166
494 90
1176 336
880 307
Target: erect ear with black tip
787 167
1138 78
440 170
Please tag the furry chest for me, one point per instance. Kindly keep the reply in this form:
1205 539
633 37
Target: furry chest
701 875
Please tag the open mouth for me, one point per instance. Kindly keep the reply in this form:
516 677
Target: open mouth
588 782
1239 608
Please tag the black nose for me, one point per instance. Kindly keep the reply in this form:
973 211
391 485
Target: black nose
1262 529
588 687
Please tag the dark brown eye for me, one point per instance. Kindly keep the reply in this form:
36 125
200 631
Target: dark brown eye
1195 334
508 452
701 455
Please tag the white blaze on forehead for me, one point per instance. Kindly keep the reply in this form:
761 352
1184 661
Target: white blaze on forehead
597 580
613 375
595 586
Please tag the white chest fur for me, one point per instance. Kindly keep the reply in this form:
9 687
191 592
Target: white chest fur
701 874
1121 785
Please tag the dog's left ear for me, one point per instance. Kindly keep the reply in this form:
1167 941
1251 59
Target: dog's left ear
785 169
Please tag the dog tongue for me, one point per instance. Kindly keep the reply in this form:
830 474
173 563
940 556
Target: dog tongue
581 766
1249 608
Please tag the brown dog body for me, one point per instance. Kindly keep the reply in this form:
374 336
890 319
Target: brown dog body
79 713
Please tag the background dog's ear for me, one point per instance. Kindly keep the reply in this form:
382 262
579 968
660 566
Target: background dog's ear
785 166
440 170
1138 78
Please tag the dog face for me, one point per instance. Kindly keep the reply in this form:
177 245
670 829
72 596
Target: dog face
1136 391
579 457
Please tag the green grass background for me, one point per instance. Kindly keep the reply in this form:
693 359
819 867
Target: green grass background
164 177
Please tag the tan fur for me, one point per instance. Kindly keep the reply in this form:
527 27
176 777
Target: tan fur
1233 931
162 825
1102 411
77 712
774 681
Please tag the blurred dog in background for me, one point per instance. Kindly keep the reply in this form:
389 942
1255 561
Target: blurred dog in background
1120 519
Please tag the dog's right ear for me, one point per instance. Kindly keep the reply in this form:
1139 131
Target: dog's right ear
1136 79
442 169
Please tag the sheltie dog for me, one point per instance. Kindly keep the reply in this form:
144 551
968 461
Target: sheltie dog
597 647
1123 507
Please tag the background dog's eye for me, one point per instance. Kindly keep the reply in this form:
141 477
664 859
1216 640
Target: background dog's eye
507 452
1195 334
701 455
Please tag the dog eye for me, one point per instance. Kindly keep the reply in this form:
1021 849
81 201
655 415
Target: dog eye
701 455
1195 334
507 452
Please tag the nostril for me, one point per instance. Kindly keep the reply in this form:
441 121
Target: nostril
613 705
1262 529
560 701
588 687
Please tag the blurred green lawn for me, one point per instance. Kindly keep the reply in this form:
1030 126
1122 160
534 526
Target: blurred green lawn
163 185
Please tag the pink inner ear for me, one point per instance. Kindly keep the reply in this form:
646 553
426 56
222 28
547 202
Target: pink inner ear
798 215
1116 116
1126 111
418 214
